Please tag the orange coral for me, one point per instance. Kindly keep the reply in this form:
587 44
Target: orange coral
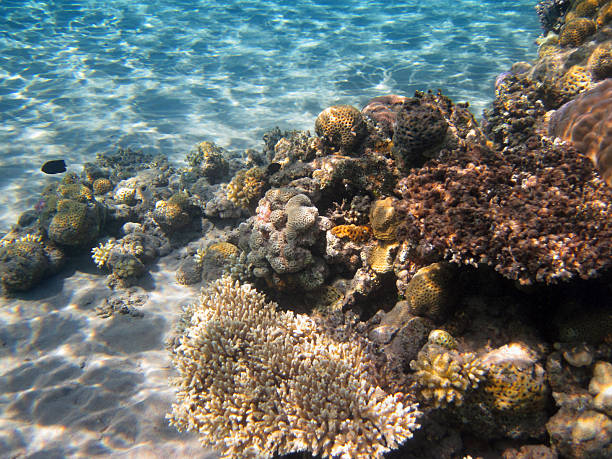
587 123
355 233
225 249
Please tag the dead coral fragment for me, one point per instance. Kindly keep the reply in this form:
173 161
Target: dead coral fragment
256 382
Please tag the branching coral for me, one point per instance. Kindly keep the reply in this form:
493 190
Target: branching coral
256 382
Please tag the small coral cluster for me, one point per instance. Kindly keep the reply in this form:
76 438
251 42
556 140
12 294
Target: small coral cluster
255 382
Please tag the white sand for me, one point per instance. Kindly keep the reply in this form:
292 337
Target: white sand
73 384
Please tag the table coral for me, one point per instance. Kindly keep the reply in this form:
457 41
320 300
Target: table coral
587 123
255 382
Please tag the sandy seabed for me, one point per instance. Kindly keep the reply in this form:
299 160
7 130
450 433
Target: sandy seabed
75 384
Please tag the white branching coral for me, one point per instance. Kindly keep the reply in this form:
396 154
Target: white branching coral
256 382
101 253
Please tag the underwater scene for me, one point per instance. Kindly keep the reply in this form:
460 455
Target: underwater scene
356 229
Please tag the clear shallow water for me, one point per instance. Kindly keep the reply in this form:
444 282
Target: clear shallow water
82 77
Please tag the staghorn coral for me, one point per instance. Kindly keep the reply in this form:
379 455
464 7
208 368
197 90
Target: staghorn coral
246 187
587 122
383 219
356 233
600 61
255 382
431 291
576 31
445 375
342 126
536 213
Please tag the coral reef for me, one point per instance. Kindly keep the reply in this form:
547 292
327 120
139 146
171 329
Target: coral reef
586 122
342 126
172 214
380 256
255 382
101 186
75 223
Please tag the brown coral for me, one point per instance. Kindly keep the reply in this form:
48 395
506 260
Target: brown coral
587 123
600 61
246 187
420 131
430 292
101 186
605 15
383 111
536 213
356 233
575 81
576 31
380 257
342 126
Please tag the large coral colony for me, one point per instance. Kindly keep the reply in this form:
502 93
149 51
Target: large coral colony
406 278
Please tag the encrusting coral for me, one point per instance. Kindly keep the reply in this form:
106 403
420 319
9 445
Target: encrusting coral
255 382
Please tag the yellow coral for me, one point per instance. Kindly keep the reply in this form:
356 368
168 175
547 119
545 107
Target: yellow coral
380 258
125 195
246 187
101 253
225 249
575 81
356 233
75 191
102 186
576 31
342 125
257 382
383 219
442 338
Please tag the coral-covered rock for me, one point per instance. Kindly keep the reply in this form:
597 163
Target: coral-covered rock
356 233
23 263
210 161
342 126
581 434
587 123
75 223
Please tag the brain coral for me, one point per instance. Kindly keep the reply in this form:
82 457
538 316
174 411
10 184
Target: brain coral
256 382
576 80
536 213
419 130
576 31
342 126
587 123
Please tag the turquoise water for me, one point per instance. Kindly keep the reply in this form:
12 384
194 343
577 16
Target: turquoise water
82 77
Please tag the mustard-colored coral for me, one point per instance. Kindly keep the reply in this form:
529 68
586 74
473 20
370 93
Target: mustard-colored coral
246 187
576 80
256 382
380 257
586 8
101 186
71 225
576 31
341 125
171 214
75 191
383 219
356 233
442 338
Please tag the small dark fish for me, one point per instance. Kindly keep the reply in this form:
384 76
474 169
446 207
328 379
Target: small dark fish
273 168
57 166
